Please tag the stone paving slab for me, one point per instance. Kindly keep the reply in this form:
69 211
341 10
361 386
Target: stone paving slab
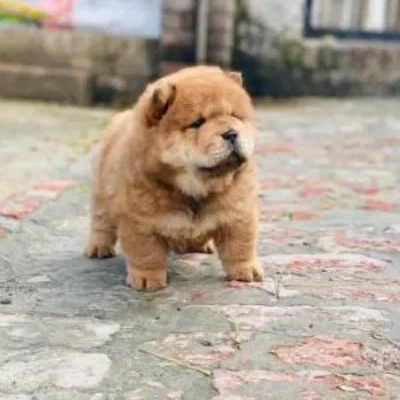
38 141
324 325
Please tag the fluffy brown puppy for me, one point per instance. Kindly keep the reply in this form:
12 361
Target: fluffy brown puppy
176 173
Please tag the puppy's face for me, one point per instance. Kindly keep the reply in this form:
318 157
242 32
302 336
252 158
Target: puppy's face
201 126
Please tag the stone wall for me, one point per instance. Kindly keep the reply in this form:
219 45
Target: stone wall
282 17
113 68
278 61
178 39
179 30
338 68
221 32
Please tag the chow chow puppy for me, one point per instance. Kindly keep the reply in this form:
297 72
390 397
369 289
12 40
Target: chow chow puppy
176 173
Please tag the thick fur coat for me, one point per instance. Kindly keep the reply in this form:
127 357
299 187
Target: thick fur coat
176 172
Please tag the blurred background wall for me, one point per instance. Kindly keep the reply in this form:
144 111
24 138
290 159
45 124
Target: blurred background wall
102 51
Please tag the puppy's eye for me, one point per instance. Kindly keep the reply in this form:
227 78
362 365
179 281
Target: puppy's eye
235 115
198 123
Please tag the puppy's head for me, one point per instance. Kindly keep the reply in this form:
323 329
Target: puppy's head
199 123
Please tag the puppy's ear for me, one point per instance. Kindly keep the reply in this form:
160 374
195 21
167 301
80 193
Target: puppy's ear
161 100
235 76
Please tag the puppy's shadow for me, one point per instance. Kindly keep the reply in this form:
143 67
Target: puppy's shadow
104 273
83 276
81 273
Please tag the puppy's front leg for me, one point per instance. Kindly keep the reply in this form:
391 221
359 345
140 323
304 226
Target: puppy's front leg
236 245
146 258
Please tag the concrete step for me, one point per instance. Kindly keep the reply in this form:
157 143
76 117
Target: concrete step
60 85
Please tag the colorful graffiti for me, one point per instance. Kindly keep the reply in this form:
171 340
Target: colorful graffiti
116 17
41 13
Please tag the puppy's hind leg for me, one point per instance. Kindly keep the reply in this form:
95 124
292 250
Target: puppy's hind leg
103 234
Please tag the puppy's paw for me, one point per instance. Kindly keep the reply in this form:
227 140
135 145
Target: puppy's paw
208 248
252 272
149 281
99 250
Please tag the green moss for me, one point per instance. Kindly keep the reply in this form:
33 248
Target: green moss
292 52
328 58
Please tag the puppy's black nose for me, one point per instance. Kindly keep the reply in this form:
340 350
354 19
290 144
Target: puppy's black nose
230 135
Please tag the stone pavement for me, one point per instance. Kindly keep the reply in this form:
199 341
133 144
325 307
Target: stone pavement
324 325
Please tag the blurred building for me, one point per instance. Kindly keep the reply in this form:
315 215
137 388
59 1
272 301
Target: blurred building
88 51
319 47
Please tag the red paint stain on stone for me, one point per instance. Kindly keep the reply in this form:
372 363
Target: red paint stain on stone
324 352
314 191
277 148
229 384
385 294
375 244
226 383
348 264
339 240
55 186
387 142
367 190
281 241
20 205
282 148
235 284
193 348
378 205
372 385
304 215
